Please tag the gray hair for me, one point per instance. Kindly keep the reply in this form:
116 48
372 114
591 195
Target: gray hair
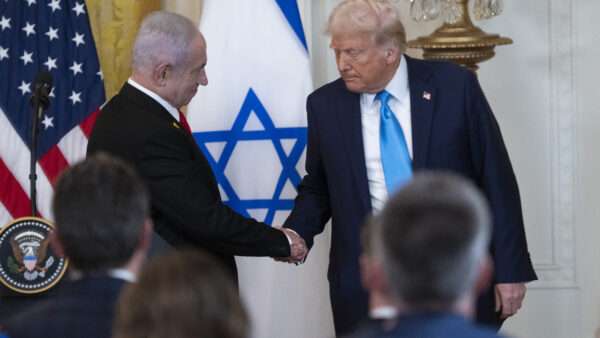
163 37
378 17
433 236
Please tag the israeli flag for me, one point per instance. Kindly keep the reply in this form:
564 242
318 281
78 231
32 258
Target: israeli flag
250 122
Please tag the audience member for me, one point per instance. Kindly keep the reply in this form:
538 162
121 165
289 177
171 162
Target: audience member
382 306
101 209
432 240
183 294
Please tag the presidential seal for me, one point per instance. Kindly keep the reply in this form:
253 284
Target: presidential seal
27 263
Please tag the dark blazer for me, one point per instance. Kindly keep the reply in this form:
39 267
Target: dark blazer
371 328
186 204
82 308
453 129
435 325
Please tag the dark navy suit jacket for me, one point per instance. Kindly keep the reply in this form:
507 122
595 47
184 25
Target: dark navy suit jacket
82 308
453 129
435 325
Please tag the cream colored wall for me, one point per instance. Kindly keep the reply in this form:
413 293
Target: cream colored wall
189 8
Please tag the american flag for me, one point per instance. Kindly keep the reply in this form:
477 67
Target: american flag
55 36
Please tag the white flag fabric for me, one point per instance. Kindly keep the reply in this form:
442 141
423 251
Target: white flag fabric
250 122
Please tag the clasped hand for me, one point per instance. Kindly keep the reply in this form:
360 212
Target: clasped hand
298 249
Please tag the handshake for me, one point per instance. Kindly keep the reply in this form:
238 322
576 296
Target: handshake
298 249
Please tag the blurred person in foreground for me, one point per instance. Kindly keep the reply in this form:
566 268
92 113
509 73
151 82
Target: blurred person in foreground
383 308
103 226
432 240
183 294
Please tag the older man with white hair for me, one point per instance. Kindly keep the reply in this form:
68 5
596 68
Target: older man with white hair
387 116
143 124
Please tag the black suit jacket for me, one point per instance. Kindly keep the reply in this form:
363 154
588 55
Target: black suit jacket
186 205
82 308
453 129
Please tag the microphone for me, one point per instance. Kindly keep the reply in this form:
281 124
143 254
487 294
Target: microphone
41 90
39 103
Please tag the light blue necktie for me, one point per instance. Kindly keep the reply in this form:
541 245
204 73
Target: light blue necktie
397 167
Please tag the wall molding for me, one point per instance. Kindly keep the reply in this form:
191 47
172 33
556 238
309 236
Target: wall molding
561 272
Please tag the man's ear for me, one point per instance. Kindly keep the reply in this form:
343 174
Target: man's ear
146 235
380 278
365 271
160 74
372 274
55 243
484 276
392 54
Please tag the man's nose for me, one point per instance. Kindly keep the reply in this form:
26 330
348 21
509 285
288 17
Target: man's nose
343 64
203 78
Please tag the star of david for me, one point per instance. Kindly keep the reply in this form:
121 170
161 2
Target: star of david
270 133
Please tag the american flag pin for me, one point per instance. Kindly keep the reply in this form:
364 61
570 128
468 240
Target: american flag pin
427 95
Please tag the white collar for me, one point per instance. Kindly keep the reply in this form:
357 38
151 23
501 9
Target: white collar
383 312
119 273
123 274
397 87
168 107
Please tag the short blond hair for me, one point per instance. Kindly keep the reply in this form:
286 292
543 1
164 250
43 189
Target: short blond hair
378 17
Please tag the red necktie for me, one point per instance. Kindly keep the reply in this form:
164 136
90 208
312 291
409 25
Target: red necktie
184 123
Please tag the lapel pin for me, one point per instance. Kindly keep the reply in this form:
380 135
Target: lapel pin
427 95
175 125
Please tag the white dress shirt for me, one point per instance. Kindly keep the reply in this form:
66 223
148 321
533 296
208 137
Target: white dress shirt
370 116
118 273
172 110
383 312
123 274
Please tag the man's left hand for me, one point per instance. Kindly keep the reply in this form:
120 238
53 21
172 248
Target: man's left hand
509 298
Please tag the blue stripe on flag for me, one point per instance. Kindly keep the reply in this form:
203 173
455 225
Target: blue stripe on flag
292 14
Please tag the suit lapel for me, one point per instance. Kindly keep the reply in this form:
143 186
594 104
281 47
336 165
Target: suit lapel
349 121
422 101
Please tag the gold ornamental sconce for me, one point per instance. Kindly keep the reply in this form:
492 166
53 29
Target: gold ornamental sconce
458 39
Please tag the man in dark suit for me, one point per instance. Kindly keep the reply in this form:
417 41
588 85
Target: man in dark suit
389 116
103 226
143 125
431 241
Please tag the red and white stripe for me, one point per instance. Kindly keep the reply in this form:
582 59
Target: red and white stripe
14 168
